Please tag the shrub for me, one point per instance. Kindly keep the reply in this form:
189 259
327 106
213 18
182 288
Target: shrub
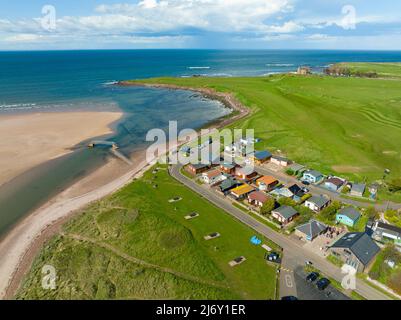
372 213
345 190
287 202
290 172
395 282
268 206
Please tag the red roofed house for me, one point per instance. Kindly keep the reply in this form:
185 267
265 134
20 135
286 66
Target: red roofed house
258 198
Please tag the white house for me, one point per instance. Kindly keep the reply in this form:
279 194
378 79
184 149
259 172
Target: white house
213 177
317 203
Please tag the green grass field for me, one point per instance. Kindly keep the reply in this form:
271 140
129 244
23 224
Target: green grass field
383 70
347 126
137 245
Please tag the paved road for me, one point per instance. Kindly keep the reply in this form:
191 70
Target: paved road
290 247
317 190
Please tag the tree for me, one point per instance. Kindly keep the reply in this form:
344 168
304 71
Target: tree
372 213
268 206
287 202
329 212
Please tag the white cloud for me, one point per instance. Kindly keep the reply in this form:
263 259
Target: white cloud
23 37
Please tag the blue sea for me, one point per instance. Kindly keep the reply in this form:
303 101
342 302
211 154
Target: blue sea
78 80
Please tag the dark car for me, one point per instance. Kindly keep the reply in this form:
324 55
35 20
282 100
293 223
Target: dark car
323 283
306 183
312 276
289 298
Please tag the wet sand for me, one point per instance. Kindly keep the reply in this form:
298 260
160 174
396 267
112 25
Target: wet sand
20 246
27 140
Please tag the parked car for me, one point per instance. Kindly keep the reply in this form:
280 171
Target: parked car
308 263
323 283
312 276
305 183
289 298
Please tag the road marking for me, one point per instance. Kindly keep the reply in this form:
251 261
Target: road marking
287 270
288 281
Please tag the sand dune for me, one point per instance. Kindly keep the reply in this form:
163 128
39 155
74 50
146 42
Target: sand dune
28 140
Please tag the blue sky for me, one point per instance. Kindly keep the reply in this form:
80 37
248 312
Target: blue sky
247 24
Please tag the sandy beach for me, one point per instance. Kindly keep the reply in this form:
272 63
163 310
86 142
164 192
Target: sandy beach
24 241
31 139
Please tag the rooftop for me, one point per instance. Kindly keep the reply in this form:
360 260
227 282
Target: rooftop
314 173
243 189
359 187
312 229
261 155
267 180
336 181
258 196
286 211
350 212
360 244
320 201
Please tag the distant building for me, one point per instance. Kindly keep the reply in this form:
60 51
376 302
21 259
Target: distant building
358 189
384 232
304 70
297 192
348 216
296 168
311 230
280 161
355 249
227 185
228 168
317 203
257 198
246 173
260 157
242 191
284 214
213 177
312 176
333 184
195 169
267 183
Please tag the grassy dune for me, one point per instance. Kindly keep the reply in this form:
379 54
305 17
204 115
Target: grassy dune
348 126
137 245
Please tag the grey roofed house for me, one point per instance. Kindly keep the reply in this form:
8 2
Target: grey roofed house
319 201
280 158
228 184
350 212
360 244
296 167
387 231
358 188
286 212
312 229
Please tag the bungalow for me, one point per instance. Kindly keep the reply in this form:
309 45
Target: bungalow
317 203
282 193
311 230
333 183
358 189
267 183
257 198
355 249
196 169
297 192
312 176
246 173
227 185
213 177
242 191
296 168
260 157
284 214
228 168
348 216
280 161
384 232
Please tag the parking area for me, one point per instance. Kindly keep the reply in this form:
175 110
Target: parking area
308 291
320 244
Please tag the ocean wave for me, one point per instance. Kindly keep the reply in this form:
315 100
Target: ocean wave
191 68
19 106
110 83
280 65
